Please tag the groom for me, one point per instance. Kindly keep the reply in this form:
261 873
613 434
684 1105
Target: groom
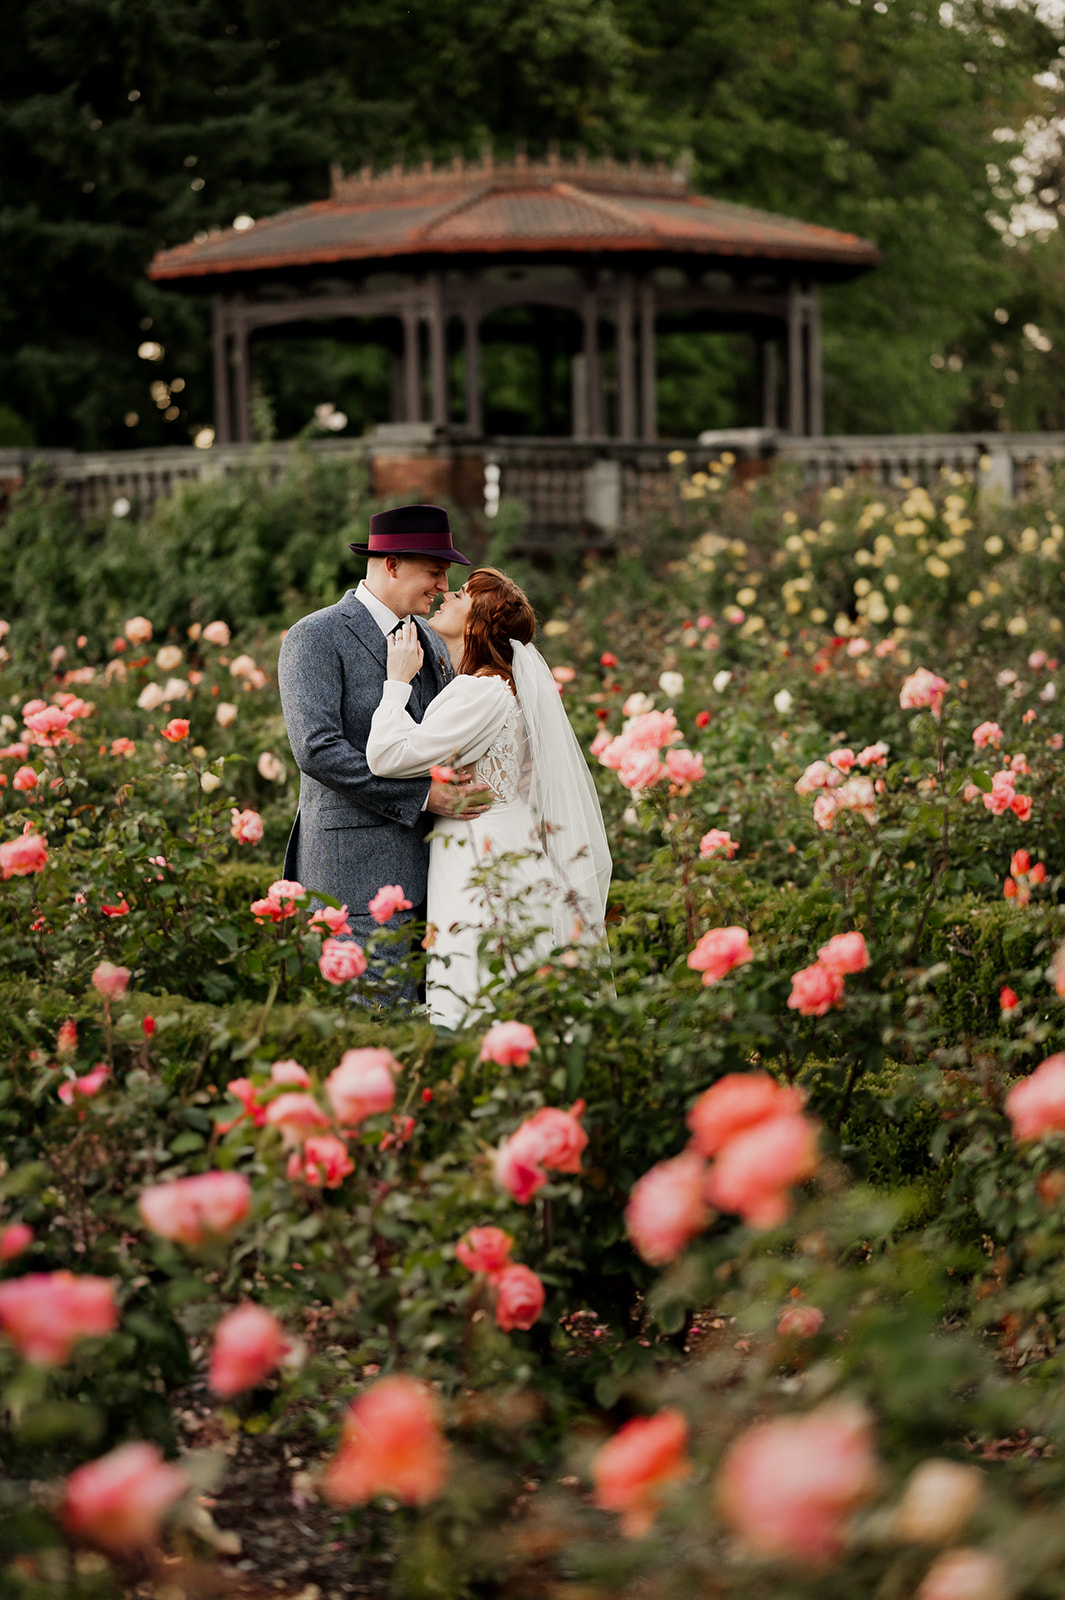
354 832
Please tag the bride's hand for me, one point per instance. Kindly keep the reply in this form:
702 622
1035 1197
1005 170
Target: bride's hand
404 653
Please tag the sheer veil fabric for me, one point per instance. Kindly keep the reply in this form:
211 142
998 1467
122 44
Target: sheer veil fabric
563 802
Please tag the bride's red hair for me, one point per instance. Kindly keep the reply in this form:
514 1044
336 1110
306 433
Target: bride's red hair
499 611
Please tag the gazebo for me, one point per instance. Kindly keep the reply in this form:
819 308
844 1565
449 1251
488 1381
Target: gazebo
425 255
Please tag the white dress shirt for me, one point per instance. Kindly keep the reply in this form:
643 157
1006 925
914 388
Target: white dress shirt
383 615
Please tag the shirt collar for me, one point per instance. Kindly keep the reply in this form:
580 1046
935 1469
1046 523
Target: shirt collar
383 615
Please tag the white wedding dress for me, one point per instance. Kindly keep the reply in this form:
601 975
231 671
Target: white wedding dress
520 881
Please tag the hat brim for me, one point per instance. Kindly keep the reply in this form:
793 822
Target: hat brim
450 554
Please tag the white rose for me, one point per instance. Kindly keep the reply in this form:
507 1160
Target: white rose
782 701
168 658
637 705
175 689
270 767
242 667
722 680
150 697
1048 692
671 682
210 782
225 714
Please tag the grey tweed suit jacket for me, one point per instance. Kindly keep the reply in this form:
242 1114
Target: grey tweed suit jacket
353 832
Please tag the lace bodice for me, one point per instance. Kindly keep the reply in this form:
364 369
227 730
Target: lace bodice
474 721
504 767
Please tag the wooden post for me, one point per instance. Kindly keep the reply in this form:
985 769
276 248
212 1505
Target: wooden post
648 363
770 382
412 366
816 414
593 368
626 360
474 410
437 353
796 375
241 380
223 411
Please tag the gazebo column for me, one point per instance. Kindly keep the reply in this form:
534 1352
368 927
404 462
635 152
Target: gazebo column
626 360
770 383
592 365
223 411
474 409
412 366
241 379
816 417
437 353
796 420
648 363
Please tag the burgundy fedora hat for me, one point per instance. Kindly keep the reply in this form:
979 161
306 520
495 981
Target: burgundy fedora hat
411 531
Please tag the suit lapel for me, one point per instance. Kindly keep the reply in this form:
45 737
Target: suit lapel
363 626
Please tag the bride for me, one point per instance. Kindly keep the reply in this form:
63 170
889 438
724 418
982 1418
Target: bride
538 858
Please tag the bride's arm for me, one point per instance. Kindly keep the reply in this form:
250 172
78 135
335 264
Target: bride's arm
458 726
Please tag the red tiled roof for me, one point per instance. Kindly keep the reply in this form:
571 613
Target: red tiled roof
548 208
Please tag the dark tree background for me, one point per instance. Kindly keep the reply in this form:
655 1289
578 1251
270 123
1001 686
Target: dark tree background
126 125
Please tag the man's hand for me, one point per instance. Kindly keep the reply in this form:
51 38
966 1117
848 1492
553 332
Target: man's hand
404 653
459 798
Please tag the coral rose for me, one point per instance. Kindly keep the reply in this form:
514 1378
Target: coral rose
22 856
46 1313
176 730
815 990
717 843
635 1470
756 1169
787 1488
388 902
719 951
966 1574
362 1085
987 733
193 1210
291 1074
246 827
24 780
520 1297
119 1501
554 1138
390 1444
341 960
845 953
330 920
323 1162
736 1102
14 1240
297 1115
279 902
1036 1107
484 1249
249 1343
516 1169
110 981
800 1322
667 1208
923 688
508 1044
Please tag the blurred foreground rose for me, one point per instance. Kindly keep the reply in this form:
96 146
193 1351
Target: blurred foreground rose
341 961
508 1044
815 990
391 1444
388 902
755 1171
484 1249
249 1343
719 951
937 1502
87 1086
362 1085
14 1239
21 857
192 1210
845 954
551 1138
297 1115
667 1208
323 1162
110 981
45 1314
1036 1106
635 1470
787 1488
737 1102
119 1501
800 1322
966 1575
519 1297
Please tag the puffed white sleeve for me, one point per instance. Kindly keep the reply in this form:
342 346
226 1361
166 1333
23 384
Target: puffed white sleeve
457 728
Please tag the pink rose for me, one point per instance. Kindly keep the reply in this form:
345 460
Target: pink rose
14 1239
323 1162
22 856
754 1172
388 902
330 920
640 769
249 1343
684 767
650 730
176 730
719 951
800 1322
787 1488
874 755
717 842
216 633
192 1210
341 960
1021 806
138 630
86 1086
280 901
119 1501
516 1170
598 744
815 990
966 1574
826 810
818 775
508 1044
857 794
49 725
46 1313
362 1085
923 688
737 1102
110 981
842 760
1036 1106
291 1074
297 1115
123 747
987 733
24 780
635 1470
520 1297
845 953
244 1090
246 827
391 1444
553 1138
484 1249
667 1208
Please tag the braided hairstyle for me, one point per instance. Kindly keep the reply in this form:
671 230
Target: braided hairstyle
499 612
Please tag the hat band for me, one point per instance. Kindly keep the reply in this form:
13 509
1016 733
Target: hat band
436 540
